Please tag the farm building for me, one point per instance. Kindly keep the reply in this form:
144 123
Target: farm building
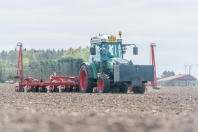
178 80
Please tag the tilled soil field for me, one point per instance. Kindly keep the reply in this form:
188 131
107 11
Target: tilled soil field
164 110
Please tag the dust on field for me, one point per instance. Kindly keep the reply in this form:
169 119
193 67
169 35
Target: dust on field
167 109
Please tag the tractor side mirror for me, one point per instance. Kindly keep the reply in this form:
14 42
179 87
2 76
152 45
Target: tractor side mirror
93 50
135 50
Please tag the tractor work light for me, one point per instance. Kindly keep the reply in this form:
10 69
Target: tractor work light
120 34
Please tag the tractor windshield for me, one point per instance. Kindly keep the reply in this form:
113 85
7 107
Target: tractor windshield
112 50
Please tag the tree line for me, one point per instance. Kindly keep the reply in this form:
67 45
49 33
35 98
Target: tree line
49 54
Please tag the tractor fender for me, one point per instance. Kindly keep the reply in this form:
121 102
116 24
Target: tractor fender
89 68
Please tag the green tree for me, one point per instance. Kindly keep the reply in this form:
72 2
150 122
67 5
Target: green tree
167 74
85 53
13 56
30 54
78 53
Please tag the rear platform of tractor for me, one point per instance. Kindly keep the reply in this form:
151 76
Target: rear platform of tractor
107 71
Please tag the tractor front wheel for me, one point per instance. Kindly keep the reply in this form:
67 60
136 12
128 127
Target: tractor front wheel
85 83
103 83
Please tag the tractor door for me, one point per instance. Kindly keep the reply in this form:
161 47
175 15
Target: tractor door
95 59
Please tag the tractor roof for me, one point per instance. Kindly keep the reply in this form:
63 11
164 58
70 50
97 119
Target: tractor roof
104 38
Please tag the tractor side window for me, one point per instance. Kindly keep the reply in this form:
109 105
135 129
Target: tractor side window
119 49
112 49
97 56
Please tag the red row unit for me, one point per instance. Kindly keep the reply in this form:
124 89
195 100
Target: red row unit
71 84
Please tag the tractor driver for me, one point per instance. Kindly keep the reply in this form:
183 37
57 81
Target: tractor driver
108 54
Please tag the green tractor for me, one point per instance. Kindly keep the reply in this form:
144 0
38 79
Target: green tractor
109 71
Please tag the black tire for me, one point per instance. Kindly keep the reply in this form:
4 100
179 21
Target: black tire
86 84
35 89
142 89
57 90
46 90
22 90
70 89
135 90
123 88
139 90
50 90
103 83
114 90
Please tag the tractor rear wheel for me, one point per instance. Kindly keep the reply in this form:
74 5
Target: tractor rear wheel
139 90
142 89
103 83
85 83
135 90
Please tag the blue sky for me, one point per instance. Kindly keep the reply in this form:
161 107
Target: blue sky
171 24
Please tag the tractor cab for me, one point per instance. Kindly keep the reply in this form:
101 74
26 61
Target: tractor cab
107 51
107 46
104 49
